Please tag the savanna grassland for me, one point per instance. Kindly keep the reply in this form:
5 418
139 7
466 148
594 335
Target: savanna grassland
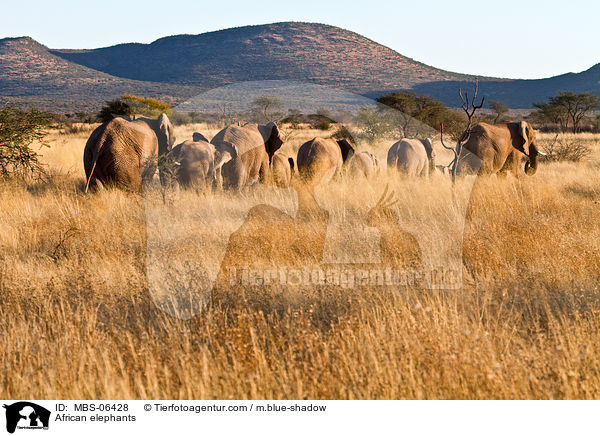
78 320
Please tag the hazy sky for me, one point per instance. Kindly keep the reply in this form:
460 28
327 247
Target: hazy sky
519 39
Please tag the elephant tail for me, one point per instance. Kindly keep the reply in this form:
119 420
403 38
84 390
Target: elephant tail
87 184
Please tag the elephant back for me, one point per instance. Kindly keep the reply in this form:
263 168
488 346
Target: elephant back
317 158
192 150
245 138
362 164
282 171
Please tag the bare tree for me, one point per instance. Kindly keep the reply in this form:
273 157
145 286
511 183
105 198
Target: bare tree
225 113
470 108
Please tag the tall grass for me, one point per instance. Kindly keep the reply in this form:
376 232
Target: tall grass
78 319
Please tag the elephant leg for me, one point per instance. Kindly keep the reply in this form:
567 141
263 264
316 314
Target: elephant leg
337 175
265 174
517 169
511 164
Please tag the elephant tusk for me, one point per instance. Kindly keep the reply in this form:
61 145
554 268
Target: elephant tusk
541 153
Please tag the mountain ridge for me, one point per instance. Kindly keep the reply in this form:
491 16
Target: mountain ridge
176 67
278 51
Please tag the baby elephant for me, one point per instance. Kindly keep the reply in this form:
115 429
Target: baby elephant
198 162
282 168
414 157
364 164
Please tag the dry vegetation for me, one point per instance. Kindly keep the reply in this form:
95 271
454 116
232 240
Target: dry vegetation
77 319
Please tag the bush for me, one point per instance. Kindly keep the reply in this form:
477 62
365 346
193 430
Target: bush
70 128
129 105
342 132
373 123
565 148
426 110
147 106
320 122
19 130
112 108
181 118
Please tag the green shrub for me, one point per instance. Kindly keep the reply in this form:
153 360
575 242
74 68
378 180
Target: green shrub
19 131
426 110
147 106
112 108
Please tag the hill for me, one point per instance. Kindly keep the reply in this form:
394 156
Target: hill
316 53
517 93
177 67
29 72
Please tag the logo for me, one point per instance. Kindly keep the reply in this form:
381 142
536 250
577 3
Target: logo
26 415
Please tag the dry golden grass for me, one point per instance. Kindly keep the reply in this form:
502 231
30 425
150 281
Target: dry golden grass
77 319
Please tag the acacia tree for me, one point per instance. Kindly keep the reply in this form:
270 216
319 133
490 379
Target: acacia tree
424 109
19 131
499 110
147 106
267 107
112 108
568 109
129 105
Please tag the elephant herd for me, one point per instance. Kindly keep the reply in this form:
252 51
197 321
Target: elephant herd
127 153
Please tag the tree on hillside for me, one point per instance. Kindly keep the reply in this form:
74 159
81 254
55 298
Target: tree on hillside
147 106
373 123
499 110
112 108
19 131
424 109
567 109
129 105
267 108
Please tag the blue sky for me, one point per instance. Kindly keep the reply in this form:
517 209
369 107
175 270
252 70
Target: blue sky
518 39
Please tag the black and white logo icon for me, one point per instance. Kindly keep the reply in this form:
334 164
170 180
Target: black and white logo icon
26 415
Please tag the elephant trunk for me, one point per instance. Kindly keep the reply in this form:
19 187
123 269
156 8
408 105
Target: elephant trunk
531 164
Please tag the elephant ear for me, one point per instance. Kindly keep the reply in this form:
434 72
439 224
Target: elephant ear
197 137
272 137
226 147
165 134
428 147
524 134
225 152
346 148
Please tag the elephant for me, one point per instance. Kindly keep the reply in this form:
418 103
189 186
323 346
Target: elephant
491 149
282 169
415 157
256 144
319 156
364 164
198 162
124 152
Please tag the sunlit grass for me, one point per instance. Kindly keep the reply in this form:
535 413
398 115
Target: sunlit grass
77 319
